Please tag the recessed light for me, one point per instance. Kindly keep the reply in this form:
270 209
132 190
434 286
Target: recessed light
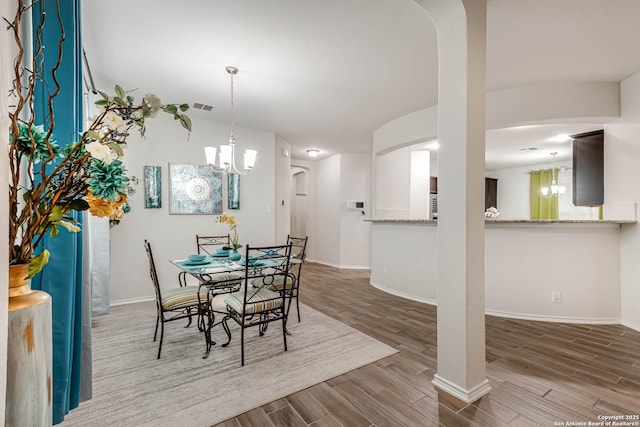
563 137
312 152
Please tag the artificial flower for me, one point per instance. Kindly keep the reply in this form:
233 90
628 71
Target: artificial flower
40 150
112 209
114 122
231 221
101 152
108 182
153 103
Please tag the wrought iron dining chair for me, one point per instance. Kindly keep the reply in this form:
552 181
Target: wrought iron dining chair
206 245
176 303
256 305
298 254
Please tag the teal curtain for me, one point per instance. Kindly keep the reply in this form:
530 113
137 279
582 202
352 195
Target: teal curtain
62 276
542 207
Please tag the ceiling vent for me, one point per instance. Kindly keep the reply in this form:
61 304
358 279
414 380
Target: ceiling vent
204 107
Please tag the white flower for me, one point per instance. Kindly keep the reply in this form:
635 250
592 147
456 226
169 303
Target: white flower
101 152
114 122
154 103
491 213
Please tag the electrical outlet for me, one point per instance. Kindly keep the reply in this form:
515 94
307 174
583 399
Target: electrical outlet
556 296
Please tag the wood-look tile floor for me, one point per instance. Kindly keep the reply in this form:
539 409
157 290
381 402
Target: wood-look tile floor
542 374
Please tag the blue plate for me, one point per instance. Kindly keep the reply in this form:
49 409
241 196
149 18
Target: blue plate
193 263
253 263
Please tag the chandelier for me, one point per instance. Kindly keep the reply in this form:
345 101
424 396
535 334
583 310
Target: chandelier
554 189
227 158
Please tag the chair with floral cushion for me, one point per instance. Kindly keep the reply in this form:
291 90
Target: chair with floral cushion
256 305
176 303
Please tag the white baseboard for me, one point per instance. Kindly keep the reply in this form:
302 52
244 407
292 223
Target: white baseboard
555 319
402 294
467 396
522 316
632 325
130 301
352 267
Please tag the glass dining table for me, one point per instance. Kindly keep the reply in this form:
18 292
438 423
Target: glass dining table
219 276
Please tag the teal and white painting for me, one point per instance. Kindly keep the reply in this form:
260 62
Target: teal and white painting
194 190
233 191
152 187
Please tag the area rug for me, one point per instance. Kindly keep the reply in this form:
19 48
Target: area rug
132 388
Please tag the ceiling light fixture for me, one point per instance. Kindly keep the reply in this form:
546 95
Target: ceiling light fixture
555 189
312 152
563 137
228 152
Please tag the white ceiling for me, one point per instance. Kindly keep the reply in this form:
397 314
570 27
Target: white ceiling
326 74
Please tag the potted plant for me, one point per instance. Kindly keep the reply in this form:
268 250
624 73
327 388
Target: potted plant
49 179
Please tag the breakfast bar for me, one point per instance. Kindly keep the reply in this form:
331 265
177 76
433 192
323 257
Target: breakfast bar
555 270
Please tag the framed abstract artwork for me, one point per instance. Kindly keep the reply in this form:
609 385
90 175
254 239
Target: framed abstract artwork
233 191
194 190
152 187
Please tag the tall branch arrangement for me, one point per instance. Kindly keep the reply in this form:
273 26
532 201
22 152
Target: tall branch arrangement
48 182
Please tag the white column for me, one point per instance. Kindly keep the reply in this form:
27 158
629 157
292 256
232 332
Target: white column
461 30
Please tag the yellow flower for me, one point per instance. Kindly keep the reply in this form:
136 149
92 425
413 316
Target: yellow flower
112 209
230 220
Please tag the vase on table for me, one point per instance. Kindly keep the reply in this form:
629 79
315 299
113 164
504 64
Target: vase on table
29 353
234 255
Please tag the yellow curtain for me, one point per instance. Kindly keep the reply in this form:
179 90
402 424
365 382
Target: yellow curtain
542 207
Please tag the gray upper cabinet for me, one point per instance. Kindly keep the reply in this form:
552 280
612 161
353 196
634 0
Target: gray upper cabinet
588 168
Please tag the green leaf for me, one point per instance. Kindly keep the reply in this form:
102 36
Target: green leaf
104 95
79 205
120 92
116 147
71 228
184 107
101 102
37 263
92 134
185 121
120 101
53 231
171 109
56 214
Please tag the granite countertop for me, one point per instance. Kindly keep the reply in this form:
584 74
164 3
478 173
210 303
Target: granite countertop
512 221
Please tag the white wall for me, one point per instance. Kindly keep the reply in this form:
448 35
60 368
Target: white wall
392 178
404 260
355 184
420 184
328 202
283 189
523 265
173 236
622 175
341 236
5 58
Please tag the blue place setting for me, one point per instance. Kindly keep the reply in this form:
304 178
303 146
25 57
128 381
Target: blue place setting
221 253
202 260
